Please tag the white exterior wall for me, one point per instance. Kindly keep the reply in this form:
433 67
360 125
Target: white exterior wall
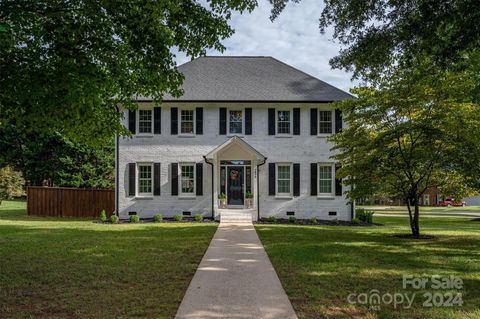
166 148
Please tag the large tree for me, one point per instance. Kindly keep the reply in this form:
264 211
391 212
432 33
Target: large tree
65 65
376 34
416 129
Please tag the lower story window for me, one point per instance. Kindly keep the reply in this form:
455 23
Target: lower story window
187 179
284 180
325 179
145 179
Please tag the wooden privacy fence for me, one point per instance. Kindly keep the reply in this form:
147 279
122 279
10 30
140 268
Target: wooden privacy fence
69 202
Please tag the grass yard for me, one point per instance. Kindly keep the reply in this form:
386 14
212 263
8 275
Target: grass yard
71 268
319 266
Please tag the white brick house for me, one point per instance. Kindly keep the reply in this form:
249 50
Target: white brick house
244 127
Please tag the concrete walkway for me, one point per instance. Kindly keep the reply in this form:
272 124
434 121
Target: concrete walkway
235 279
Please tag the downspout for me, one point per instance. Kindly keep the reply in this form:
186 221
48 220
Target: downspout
213 188
258 187
117 147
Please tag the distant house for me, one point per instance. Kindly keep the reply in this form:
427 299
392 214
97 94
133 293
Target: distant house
248 134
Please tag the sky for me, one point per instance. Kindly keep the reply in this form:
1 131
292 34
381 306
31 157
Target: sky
294 38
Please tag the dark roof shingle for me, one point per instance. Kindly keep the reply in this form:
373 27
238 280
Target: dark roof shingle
251 79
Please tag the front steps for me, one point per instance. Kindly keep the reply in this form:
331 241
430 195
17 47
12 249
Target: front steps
239 216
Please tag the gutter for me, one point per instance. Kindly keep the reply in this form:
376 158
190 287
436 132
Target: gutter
213 187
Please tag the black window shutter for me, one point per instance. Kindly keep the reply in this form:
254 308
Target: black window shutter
223 121
174 179
199 121
338 183
313 179
132 121
338 120
199 179
131 178
156 179
157 120
248 121
296 179
313 121
271 179
296 121
271 121
174 121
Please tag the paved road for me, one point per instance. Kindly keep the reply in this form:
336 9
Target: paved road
235 279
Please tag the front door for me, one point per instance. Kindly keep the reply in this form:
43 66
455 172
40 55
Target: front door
235 177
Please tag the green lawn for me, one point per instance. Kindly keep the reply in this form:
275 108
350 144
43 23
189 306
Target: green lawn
73 268
319 266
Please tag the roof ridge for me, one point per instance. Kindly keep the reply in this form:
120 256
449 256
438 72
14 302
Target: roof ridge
236 56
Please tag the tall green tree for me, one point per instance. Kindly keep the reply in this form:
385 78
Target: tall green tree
65 65
11 183
417 128
376 34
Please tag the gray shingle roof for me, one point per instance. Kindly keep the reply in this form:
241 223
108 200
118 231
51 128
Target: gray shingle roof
251 79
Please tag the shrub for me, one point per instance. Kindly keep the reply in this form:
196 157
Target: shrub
114 219
198 218
364 215
313 221
272 219
11 183
222 196
177 218
248 195
335 221
355 221
103 216
291 219
157 218
134 219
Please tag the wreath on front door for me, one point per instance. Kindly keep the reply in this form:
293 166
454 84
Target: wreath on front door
233 175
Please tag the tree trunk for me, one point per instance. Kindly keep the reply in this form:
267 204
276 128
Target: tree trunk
414 225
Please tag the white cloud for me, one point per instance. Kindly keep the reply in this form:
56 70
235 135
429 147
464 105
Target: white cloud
293 38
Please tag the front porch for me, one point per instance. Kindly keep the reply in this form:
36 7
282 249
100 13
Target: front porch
235 178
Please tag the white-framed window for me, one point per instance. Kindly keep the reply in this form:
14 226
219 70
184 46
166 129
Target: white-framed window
284 122
284 183
326 180
325 122
145 179
235 122
145 122
187 179
187 121
426 200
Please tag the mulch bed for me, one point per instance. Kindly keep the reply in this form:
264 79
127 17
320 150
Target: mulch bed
165 220
308 222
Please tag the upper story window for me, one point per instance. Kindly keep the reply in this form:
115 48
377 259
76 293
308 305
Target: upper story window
325 179
284 122
187 179
284 180
145 178
187 122
145 122
325 122
235 122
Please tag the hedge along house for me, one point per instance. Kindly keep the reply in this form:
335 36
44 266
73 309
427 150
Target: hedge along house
249 134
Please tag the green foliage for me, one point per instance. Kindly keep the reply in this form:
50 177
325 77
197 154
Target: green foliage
114 219
157 218
222 196
11 183
379 34
248 195
291 219
335 221
272 219
313 221
198 218
134 219
416 129
54 160
355 221
364 215
67 65
177 217
103 216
